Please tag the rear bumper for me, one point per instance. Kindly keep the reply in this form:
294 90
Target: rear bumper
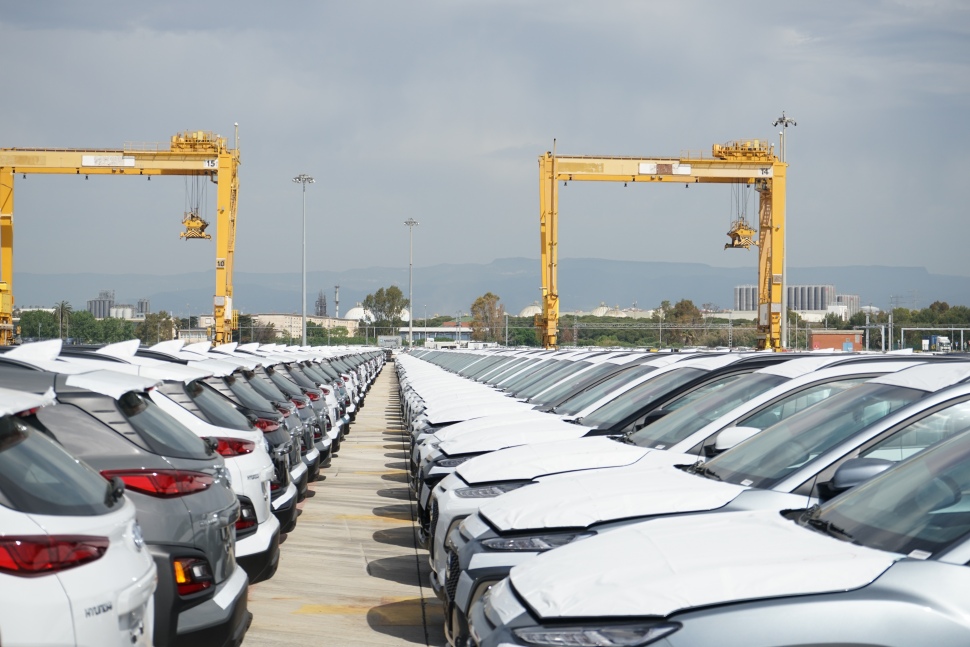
262 566
284 509
221 621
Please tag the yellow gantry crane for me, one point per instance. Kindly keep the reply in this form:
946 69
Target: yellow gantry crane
194 153
750 162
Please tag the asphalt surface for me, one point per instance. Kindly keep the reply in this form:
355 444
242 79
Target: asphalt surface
351 572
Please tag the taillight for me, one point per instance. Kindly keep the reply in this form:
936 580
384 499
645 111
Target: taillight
275 486
247 522
42 554
313 395
325 390
192 574
300 404
346 379
267 425
317 434
162 483
283 410
234 446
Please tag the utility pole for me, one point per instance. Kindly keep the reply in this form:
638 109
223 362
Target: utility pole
784 122
411 224
304 179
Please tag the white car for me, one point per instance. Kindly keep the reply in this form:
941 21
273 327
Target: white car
74 569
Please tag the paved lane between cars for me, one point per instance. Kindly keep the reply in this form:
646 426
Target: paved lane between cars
350 574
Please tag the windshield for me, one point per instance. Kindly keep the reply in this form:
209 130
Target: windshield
37 476
769 457
523 376
580 401
572 383
917 509
552 379
507 374
716 400
529 378
632 402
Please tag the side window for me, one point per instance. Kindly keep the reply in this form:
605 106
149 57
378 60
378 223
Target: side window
796 402
919 435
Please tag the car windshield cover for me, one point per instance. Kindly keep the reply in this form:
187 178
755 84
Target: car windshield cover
217 407
529 378
916 509
772 455
700 411
160 431
580 401
572 383
639 397
37 476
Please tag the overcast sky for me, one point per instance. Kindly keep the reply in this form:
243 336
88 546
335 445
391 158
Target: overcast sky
437 110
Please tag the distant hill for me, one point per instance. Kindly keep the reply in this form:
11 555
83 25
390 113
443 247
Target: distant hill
584 283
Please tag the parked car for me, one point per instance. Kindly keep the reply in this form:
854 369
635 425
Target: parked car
791 464
73 564
883 564
178 484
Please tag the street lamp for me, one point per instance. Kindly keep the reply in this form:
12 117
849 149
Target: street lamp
784 122
506 329
304 179
411 224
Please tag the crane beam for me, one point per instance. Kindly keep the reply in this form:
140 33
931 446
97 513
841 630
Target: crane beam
194 153
750 162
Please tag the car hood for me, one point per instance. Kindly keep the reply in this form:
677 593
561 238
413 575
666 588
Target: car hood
598 496
534 432
527 462
457 411
490 422
662 566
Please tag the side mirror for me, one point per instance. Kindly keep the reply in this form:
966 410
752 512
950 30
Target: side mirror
732 436
855 471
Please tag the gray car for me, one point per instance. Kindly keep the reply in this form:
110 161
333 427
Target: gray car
883 564
178 485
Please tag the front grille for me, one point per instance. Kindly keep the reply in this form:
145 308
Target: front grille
451 584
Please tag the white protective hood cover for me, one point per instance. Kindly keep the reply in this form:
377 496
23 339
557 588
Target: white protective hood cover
928 377
527 462
13 402
458 411
662 566
541 431
111 383
487 424
586 498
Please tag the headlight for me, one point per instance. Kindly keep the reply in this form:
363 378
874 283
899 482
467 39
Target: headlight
487 491
535 543
451 462
619 636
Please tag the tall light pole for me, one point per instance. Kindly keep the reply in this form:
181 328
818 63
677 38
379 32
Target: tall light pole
304 179
784 122
411 224
506 329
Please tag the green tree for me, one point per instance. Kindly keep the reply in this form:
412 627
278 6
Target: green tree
84 327
157 327
111 330
487 318
386 305
251 330
38 324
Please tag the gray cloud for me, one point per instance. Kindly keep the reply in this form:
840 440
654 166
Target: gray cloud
437 110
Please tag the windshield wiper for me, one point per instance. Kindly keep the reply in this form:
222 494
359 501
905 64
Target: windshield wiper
700 468
622 438
812 519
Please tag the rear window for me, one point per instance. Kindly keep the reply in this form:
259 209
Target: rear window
220 411
38 476
265 388
161 432
247 395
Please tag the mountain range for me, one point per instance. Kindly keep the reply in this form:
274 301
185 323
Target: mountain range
584 283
